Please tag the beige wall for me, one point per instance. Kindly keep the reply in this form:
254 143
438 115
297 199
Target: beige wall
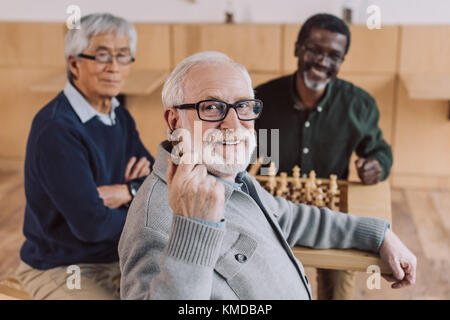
378 59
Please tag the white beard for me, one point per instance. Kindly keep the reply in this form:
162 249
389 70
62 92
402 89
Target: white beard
314 85
235 160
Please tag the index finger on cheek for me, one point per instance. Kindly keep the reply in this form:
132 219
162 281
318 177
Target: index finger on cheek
185 166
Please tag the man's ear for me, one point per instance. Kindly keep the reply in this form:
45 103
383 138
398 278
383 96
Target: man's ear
73 66
297 50
172 117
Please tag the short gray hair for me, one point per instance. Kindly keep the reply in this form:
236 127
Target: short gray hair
172 93
77 40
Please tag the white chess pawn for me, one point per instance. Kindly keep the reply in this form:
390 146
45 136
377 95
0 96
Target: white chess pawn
312 180
308 191
318 198
333 189
296 176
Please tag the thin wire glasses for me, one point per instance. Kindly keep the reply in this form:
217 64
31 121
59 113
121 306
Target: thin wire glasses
316 52
106 57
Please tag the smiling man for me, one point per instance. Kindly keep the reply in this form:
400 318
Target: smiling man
84 163
322 120
201 227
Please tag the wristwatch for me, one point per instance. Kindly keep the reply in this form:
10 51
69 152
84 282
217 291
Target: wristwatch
133 187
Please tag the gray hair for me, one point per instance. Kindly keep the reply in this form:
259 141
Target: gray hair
172 93
77 40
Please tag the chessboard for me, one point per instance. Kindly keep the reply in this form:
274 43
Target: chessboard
339 195
331 193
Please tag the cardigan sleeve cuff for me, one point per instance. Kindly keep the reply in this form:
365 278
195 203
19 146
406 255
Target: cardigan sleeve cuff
369 233
195 242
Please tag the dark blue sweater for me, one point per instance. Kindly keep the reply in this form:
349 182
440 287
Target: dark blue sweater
66 221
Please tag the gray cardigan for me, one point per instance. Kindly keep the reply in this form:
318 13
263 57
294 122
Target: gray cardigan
167 256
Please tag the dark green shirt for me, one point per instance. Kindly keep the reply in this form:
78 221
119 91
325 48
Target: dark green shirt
323 138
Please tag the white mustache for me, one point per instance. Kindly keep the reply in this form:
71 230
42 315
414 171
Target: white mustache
229 137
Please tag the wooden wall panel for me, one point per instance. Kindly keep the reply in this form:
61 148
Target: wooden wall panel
422 137
257 47
154 52
370 50
153 47
32 44
259 78
290 34
425 49
18 107
147 112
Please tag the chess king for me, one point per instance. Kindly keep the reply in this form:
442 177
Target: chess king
322 120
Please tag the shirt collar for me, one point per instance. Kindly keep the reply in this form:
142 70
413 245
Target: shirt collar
321 105
234 185
84 110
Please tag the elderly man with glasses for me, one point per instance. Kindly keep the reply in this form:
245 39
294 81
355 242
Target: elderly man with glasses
84 163
202 228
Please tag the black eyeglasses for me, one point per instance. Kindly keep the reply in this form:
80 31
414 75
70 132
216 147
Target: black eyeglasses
106 57
216 110
316 52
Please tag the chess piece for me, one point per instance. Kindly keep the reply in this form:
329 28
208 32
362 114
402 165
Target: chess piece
333 193
254 168
312 180
319 183
283 187
308 192
319 198
283 182
296 176
296 196
333 184
272 180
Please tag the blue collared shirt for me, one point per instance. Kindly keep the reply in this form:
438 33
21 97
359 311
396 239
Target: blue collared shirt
85 111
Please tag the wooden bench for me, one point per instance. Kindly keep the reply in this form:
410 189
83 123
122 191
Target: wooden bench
11 289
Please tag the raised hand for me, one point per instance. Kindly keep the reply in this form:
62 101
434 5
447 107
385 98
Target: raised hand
369 170
193 192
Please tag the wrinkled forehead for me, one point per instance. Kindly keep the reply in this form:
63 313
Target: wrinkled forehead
109 42
215 80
